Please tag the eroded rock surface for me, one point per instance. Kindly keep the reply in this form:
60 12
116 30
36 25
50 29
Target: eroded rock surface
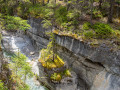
90 62
96 68
38 34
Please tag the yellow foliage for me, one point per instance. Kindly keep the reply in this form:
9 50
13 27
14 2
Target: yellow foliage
117 32
56 76
66 33
75 36
19 11
0 48
56 31
47 61
41 1
67 73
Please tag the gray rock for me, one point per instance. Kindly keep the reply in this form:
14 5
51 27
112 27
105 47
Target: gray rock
37 33
101 54
106 81
96 68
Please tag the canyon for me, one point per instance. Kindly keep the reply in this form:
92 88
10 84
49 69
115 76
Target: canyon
94 68
97 68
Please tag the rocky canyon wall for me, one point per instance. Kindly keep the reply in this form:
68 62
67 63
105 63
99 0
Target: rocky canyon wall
37 33
96 68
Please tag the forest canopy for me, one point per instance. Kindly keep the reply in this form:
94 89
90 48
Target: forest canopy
87 18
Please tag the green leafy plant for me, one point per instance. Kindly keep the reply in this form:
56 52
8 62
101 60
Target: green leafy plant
67 73
102 30
2 87
61 15
47 23
36 10
11 27
89 34
20 66
56 76
86 26
97 14
15 23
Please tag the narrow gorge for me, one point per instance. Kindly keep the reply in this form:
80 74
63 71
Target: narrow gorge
59 44
93 68
97 68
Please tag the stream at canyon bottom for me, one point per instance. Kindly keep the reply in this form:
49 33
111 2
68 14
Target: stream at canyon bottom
14 43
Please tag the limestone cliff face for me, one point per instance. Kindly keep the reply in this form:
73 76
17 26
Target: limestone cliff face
37 33
97 68
40 40
106 81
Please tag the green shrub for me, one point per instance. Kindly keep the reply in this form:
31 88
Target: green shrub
15 23
67 73
97 14
2 87
11 27
56 77
36 10
116 34
102 30
86 26
61 15
89 34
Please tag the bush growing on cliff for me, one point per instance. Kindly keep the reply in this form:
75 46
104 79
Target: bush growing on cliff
2 87
86 26
48 62
36 10
99 30
97 14
89 34
61 15
56 76
67 73
102 30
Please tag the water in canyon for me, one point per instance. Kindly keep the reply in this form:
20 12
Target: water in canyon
14 43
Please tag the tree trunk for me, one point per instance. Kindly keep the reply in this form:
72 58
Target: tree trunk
118 10
91 17
110 15
100 4
43 3
67 5
55 1
25 78
48 1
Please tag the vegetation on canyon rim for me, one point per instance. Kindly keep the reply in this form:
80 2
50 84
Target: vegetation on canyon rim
13 23
78 17
89 20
